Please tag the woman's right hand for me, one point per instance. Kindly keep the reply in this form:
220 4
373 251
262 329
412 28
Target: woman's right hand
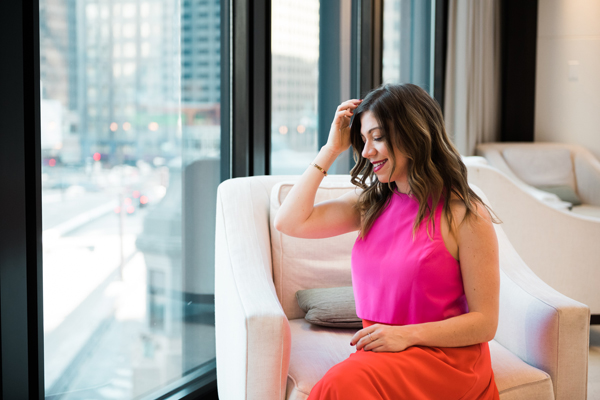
339 134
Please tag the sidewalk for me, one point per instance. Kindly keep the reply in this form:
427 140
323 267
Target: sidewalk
81 273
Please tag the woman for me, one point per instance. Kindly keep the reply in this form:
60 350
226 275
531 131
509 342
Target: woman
425 264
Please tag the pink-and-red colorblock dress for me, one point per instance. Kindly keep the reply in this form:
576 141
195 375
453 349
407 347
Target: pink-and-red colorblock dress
401 279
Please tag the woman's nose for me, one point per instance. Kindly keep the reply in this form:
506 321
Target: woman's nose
368 150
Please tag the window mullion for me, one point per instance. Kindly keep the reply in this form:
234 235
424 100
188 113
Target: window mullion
21 326
250 87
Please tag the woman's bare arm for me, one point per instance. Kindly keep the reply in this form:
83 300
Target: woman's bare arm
298 215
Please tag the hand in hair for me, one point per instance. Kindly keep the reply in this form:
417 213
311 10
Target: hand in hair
339 134
298 216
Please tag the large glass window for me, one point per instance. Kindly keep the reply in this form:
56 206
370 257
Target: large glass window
408 42
130 111
295 67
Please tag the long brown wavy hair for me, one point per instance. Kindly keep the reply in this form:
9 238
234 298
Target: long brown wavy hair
412 122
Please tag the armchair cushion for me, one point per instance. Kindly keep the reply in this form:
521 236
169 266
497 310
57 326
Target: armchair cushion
541 166
334 307
516 379
315 349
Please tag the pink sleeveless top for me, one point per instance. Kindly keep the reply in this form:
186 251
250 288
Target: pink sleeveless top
401 279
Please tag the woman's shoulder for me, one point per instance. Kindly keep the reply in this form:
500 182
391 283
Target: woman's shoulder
460 213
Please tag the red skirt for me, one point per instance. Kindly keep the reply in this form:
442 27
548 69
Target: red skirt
416 373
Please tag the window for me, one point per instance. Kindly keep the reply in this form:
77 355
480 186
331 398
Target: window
131 154
129 178
295 61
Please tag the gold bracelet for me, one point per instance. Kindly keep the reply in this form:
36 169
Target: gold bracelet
319 168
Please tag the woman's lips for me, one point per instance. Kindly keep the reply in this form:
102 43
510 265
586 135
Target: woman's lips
378 165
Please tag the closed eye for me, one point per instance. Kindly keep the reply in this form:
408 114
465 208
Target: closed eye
375 139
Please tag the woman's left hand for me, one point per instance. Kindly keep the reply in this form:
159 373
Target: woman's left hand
380 338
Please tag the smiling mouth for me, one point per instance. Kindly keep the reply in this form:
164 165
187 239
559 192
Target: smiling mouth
378 165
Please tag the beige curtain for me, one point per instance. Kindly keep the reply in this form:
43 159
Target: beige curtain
472 93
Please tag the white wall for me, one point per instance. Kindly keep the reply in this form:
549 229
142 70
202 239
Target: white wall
567 101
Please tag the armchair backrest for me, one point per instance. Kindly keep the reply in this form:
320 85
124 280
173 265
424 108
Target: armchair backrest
547 164
541 166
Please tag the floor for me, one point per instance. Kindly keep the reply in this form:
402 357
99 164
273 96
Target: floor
594 364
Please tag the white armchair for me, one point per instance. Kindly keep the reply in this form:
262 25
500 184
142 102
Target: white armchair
559 246
546 164
267 351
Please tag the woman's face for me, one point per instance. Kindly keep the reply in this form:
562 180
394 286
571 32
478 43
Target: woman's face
377 153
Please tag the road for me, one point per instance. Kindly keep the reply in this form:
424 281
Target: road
98 344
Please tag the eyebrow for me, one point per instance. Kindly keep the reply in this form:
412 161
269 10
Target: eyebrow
369 131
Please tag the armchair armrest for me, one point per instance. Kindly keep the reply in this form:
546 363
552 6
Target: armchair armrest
253 338
543 327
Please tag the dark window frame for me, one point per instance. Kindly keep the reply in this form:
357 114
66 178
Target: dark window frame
21 323
246 101
369 45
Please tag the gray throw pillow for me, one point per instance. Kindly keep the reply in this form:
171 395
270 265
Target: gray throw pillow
334 307
564 192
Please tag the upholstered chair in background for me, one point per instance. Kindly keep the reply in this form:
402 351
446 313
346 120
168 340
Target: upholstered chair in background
568 170
561 247
266 350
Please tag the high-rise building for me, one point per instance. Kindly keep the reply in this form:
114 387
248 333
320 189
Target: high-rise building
129 65
58 51
201 77
58 75
200 51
